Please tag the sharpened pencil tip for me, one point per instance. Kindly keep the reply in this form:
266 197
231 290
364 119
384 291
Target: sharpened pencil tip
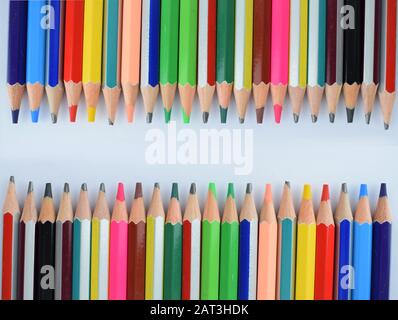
91 112
111 122
48 191
241 120
332 117
157 185
30 187
260 115
15 116
193 188
287 183
296 117
54 118
344 188
314 118
249 188
325 193
72 113
386 126
185 117
66 187
174 191
368 117
212 189
167 115
138 190
383 190
350 115
84 187
12 179
205 117
231 190
307 194
278 113
223 115
120 192
102 187
35 115
149 117
363 191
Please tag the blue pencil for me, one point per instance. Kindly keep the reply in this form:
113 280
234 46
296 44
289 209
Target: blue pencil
343 248
150 55
381 256
38 23
248 233
55 40
16 71
362 247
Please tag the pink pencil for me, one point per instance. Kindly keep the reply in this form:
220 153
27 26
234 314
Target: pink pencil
267 248
118 248
279 54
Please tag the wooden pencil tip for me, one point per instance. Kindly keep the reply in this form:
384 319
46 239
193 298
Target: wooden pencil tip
138 190
48 191
268 193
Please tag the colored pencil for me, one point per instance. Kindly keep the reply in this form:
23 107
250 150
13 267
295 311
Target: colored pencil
16 66
298 54
362 254
279 54
229 251
55 56
187 56
11 216
381 257
207 55
225 54
26 248
262 32
243 55
154 248
191 233
73 54
112 50
286 259
173 248
248 236
64 247
136 248
267 249
334 56
343 247
131 49
316 55
210 267
324 259
100 230
306 241
169 31
118 248
371 60
387 89
35 57
81 248
45 249
353 56
92 54
150 55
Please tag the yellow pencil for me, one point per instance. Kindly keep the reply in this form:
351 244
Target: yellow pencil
92 54
306 240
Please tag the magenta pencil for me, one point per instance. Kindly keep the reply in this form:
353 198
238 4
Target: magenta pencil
118 248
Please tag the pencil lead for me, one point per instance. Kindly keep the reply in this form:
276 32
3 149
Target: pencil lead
223 115
278 113
30 187
212 189
149 117
363 191
386 126
325 193
241 120
350 115
72 113
35 115
249 188
344 188
110 122
102 187
296 117
66 187
367 117
287 183
174 191
167 115
260 115
138 190
54 118
12 179
383 190
120 192
15 116
185 118
193 188
91 111
48 191
84 187
205 117
157 186
332 117
307 194
314 118
231 190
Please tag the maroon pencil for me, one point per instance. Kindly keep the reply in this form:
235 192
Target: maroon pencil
262 24
136 248
63 248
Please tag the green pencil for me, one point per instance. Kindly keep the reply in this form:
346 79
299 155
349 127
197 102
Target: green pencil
188 55
229 249
210 247
169 24
225 54
173 248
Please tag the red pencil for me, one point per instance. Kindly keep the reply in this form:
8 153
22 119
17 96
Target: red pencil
73 54
324 259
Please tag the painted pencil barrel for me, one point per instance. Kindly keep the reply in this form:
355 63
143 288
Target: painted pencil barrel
26 260
63 260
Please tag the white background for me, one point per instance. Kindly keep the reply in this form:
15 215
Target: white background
93 153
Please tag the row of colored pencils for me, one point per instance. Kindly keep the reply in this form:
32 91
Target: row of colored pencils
240 46
192 256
